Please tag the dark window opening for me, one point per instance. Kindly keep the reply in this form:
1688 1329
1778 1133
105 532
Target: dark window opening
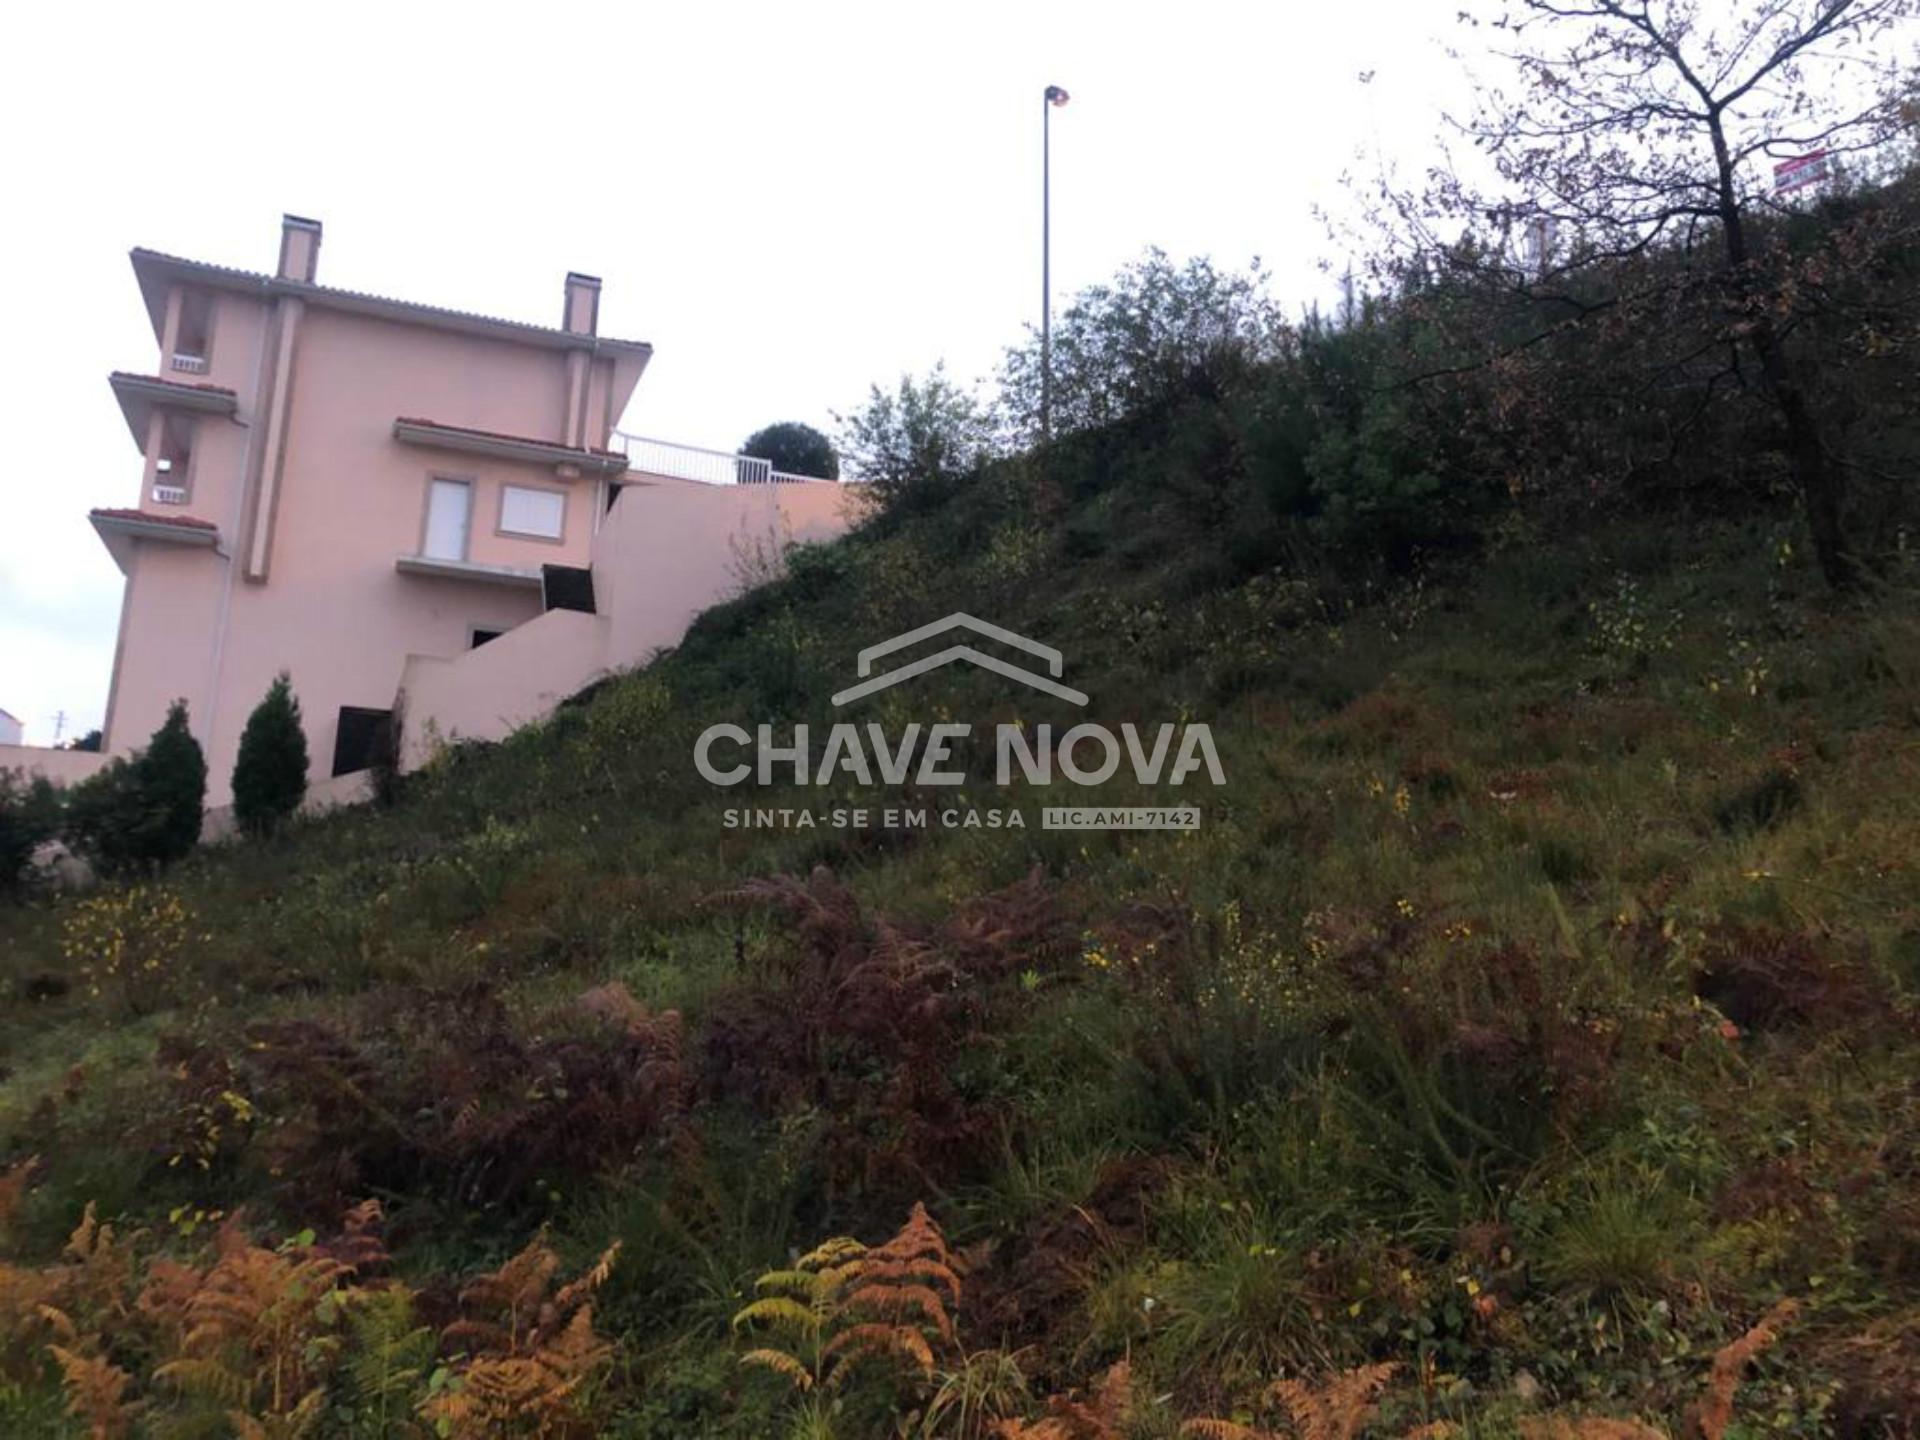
567 587
362 739
481 637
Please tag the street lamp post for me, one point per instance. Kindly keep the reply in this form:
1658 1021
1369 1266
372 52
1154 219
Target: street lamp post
1051 100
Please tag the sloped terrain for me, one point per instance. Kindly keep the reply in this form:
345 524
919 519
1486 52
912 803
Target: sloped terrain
1531 1012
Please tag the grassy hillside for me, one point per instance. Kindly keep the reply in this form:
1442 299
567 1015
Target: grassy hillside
1532 1012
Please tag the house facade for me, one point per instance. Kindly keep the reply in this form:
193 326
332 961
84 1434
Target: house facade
354 489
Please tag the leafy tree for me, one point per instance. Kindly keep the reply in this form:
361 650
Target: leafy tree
270 775
146 811
1155 332
914 443
89 742
1630 198
794 449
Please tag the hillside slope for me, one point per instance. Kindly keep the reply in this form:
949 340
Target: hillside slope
1531 1010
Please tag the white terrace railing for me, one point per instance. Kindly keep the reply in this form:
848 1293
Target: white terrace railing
710 467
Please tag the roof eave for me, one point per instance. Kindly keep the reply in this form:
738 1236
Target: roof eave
156 271
138 395
504 447
118 534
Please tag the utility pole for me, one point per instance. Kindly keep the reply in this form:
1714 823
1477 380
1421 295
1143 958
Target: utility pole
1049 102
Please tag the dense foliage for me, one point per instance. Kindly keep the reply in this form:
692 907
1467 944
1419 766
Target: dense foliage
794 449
143 811
29 816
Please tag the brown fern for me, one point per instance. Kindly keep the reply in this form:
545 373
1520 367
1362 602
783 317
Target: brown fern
96 1393
1586 1427
13 1188
529 1351
252 1331
1337 1409
1100 1417
844 1304
1710 1418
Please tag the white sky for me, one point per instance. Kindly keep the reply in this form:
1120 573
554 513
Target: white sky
789 201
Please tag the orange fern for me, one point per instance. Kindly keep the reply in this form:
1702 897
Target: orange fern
1099 1417
1714 1413
1586 1427
13 1188
844 1304
1334 1410
530 1351
96 1393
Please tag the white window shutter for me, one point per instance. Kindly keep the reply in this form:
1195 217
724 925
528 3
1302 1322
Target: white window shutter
532 512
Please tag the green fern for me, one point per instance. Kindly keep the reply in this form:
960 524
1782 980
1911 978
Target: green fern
389 1361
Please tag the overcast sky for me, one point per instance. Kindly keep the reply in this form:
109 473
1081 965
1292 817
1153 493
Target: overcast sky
789 201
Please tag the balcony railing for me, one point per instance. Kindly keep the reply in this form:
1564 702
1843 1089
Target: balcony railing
189 364
709 467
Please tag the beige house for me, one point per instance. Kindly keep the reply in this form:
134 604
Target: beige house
410 509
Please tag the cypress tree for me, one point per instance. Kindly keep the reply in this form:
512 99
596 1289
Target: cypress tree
173 782
270 775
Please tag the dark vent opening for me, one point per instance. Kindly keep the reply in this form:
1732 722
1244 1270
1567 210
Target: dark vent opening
567 587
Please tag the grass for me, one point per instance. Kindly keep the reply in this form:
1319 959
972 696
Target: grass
1412 1033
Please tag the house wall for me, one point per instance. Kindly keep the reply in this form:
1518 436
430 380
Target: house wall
333 610
62 767
668 550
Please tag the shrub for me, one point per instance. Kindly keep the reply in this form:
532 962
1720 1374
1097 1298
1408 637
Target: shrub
125 946
146 811
270 775
29 814
794 449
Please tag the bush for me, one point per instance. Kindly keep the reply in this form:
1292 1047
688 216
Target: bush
146 811
914 446
29 814
270 775
794 449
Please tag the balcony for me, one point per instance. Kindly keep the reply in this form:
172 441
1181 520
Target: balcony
187 364
709 467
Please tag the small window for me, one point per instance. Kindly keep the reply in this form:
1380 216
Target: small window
449 510
482 636
541 514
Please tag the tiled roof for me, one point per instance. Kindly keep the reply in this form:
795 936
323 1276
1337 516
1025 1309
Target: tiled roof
510 439
147 517
170 384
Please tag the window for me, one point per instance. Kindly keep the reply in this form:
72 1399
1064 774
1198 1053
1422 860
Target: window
193 339
362 738
449 513
481 635
541 514
173 465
